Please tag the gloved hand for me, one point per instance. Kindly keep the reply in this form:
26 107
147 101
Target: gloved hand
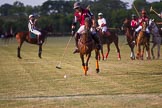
73 30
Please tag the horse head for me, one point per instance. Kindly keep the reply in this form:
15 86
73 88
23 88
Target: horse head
86 34
126 24
88 23
144 26
45 31
152 24
48 28
153 28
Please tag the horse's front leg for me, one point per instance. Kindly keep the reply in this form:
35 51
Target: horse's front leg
118 50
83 64
87 61
97 64
138 51
152 50
102 52
132 56
158 51
142 52
40 51
108 50
148 51
19 50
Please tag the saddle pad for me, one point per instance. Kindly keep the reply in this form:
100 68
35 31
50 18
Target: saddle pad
32 35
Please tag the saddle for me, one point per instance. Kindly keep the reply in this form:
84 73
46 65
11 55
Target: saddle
32 35
106 34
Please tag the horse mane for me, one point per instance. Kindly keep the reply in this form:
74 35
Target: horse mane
127 25
46 29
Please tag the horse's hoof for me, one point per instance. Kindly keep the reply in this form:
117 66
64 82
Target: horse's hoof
132 58
19 57
141 58
148 58
119 58
97 70
40 56
85 73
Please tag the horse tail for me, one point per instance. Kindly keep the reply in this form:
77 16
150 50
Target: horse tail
17 36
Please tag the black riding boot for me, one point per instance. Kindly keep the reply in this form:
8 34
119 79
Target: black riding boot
97 40
76 36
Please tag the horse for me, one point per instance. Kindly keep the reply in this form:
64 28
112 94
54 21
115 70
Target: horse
156 39
86 45
108 38
129 36
26 36
142 39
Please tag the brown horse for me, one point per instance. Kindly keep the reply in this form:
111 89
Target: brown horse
86 45
142 39
24 36
129 36
108 38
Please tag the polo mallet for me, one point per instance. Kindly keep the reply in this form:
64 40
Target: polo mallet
152 10
136 10
58 66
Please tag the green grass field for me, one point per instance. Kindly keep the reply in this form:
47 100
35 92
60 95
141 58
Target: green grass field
31 82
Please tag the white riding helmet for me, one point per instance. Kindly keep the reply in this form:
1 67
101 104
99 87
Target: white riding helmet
31 16
100 14
76 5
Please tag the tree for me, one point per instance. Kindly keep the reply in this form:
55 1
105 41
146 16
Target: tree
5 9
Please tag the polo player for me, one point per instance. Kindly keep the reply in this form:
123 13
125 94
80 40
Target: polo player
32 27
142 19
79 16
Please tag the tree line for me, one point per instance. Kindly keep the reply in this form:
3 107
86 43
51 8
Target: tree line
60 13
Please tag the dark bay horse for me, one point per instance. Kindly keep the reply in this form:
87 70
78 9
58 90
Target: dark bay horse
86 45
129 36
142 39
108 38
24 36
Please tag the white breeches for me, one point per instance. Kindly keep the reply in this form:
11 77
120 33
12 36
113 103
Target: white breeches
81 29
36 32
104 29
140 27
